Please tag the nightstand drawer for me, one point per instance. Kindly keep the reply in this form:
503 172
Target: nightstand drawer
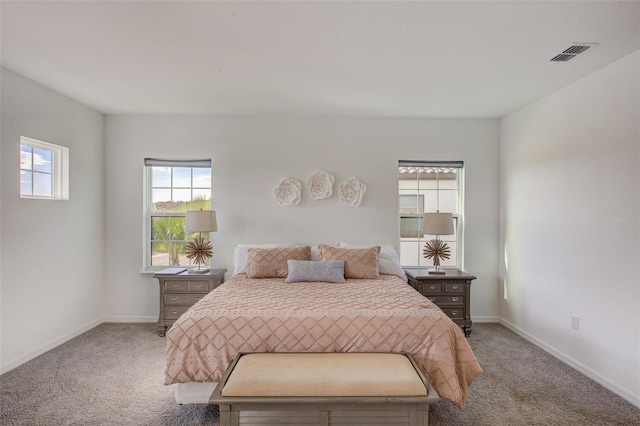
198 286
182 299
176 286
454 313
454 288
173 312
447 300
426 288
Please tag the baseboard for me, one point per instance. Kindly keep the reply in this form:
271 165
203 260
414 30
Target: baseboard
485 319
130 319
48 346
577 365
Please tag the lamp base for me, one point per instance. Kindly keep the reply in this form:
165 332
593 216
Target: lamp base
199 270
438 272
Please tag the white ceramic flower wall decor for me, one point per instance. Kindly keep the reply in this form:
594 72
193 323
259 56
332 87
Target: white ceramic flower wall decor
288 192
321 185
351 191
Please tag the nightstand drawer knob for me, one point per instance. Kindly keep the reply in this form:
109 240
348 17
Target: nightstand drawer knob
454 299
174 298
454 313
198 298
174 312
433 299
455 287
175 285
432 287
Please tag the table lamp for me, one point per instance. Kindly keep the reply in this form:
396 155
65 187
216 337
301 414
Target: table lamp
200 250
437 224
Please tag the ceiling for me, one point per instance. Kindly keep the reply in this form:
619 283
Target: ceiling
393 58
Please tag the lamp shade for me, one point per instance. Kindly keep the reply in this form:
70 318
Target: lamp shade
438 224
200 221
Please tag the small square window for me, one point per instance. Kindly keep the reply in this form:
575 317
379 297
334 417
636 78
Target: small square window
44 170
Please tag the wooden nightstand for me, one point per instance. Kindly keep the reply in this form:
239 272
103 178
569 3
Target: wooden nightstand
451 292
179 292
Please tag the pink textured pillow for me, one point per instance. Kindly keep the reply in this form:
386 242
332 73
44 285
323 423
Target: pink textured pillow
358 263
272 263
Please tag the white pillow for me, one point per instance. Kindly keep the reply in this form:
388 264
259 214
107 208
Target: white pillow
388 263
315 253
241 255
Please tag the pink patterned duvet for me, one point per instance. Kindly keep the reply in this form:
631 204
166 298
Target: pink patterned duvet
267 315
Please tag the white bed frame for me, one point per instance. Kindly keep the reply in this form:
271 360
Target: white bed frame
194 392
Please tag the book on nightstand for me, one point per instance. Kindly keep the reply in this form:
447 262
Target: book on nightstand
171 271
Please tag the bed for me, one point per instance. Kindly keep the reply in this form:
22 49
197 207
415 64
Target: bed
381 314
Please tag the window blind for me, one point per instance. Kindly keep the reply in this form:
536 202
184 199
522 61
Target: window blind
446 164
176 163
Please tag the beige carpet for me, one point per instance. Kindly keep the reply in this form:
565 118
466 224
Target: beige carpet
112 375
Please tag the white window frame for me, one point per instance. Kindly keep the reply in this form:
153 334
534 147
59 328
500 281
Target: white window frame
458 217
59 169
148 208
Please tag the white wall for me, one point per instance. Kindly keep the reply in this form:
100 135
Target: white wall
250 155
51 282
565 162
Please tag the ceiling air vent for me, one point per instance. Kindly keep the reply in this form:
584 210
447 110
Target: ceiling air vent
570 52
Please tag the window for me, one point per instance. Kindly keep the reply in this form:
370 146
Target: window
44 170
172 188
429 187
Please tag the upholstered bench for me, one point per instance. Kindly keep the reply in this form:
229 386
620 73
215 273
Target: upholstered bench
324 389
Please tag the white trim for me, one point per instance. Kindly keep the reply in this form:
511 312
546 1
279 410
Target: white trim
148 198
130 319
48 346
458 216
460 219
575 364
146 219
485 319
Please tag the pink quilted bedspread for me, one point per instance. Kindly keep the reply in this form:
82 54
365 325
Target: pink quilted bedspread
267 315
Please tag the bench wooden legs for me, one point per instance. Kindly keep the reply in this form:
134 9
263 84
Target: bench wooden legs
344 415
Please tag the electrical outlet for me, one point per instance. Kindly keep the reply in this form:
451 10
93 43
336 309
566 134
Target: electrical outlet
575 322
